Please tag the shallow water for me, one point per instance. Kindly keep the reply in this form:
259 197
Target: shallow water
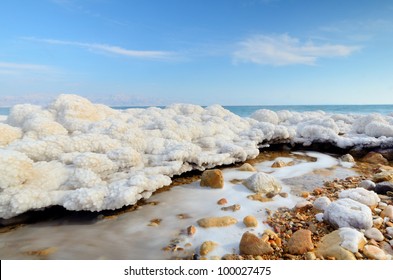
128 236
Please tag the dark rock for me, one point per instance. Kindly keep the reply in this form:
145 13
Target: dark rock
384 187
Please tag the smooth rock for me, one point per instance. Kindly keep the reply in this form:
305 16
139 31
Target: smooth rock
247 167
212 178
361 195
216 222
321 203
389 231
319 217
207 247
385 246
303 204
300 242
367 184
310 256
346 212
383 176
347 158
374 233
262 183
384 187
222 201
191 230
375 158
250 244
279 164
250 221
374 253
382 205
233 208
387 212
329 246
378 222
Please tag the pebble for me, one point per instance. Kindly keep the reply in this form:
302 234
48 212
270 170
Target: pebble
382 205
387 212
367 184
303 204
250 221
222 201
305 194
389 230
207 247
191 230
377 210
373 157
374 233
310 256
270 194
212 178
247 167
347 158
378 222
383 187
279 164
43 252
391 243
250 244
383 176
317 191
319 217
300 242
329 246
216 222
233 208
385 246
373 252
283 194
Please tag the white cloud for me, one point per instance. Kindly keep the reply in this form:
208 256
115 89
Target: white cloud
282 50
145 54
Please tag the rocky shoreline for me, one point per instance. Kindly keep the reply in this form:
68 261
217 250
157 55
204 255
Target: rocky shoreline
360 228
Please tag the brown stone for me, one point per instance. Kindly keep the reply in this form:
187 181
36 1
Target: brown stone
300 242
233 208
247 167
212 178
305 194
250 244
329 246
217 222
43 252
387 212
207 247
259 197
278 164
375 158
250 221
383 176
374 253
317 191
191 230
222 201
283 194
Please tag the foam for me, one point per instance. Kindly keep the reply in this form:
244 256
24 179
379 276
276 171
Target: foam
155 144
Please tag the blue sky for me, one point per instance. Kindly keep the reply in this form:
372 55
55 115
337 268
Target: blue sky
231 52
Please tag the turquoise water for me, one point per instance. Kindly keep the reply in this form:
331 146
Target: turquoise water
246 111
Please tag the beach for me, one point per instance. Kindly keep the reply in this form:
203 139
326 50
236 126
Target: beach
133 177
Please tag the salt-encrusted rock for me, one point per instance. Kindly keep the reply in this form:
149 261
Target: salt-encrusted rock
375 158
300 242
346 212
373 252
262 183
361 195
367 184
351 239
247 167
250 244
387 212
217 222
347 158
9 134
321 203
212 178
279 164
250 221
373 233
207 247
384 187
329 246
383 176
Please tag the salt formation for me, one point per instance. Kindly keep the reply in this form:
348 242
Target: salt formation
86 156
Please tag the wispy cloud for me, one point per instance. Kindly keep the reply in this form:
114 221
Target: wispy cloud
10 68
110 49
280 50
